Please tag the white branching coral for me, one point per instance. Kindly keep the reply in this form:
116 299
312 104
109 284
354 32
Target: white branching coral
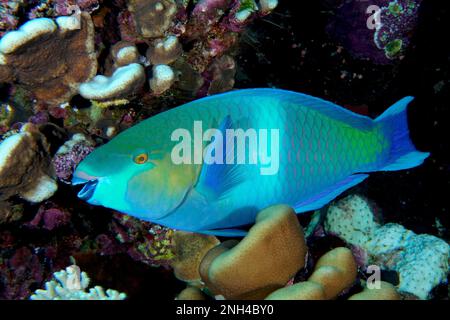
71 284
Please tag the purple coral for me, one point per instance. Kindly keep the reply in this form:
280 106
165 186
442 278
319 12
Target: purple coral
19 272
9 15
70 155
397 20
56 8
50 218
379 30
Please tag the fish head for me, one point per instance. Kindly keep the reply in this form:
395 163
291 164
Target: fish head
135 178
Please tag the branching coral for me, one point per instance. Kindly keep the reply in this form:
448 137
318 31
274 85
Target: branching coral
71 284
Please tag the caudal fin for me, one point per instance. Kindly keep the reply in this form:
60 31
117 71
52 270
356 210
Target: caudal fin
403 154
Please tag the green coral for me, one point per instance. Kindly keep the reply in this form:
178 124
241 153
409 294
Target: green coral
246 8
395 9
393 48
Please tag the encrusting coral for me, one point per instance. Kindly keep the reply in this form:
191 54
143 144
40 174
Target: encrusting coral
124 53
162 80
420 260
50 59
70 154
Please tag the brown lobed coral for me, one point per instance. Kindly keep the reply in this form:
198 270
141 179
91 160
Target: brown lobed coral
50 59
263 265
152 18
25 168
231 270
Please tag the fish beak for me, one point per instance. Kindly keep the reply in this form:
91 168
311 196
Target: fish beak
80 177
90 183
88 190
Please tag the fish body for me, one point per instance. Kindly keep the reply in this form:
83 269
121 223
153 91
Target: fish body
317 151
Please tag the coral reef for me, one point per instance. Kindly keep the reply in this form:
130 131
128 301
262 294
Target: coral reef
397 21
124 81
271 263
420 260
50 217
229 270
69 155
334 272
191 293
25 166
71 284
75 73
189 251
380 31
386 292
49 58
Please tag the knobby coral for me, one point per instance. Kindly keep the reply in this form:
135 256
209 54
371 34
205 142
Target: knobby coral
238 270
264 265
420 260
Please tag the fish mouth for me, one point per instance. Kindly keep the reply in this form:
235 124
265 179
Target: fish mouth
88 190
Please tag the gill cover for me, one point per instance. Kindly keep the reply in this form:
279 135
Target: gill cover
156 193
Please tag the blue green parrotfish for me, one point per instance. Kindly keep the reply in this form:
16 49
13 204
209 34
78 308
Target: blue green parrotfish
323 150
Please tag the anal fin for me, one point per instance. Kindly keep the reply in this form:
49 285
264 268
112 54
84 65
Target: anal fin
322 198
232 233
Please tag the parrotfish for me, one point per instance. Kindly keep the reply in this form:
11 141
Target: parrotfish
298 150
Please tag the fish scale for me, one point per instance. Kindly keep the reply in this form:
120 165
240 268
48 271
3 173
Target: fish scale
324 150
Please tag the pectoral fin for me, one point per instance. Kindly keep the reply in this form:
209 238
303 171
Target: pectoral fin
219 178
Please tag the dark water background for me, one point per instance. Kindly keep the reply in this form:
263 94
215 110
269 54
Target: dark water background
416 197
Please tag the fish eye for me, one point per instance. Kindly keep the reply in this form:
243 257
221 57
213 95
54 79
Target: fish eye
141 158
